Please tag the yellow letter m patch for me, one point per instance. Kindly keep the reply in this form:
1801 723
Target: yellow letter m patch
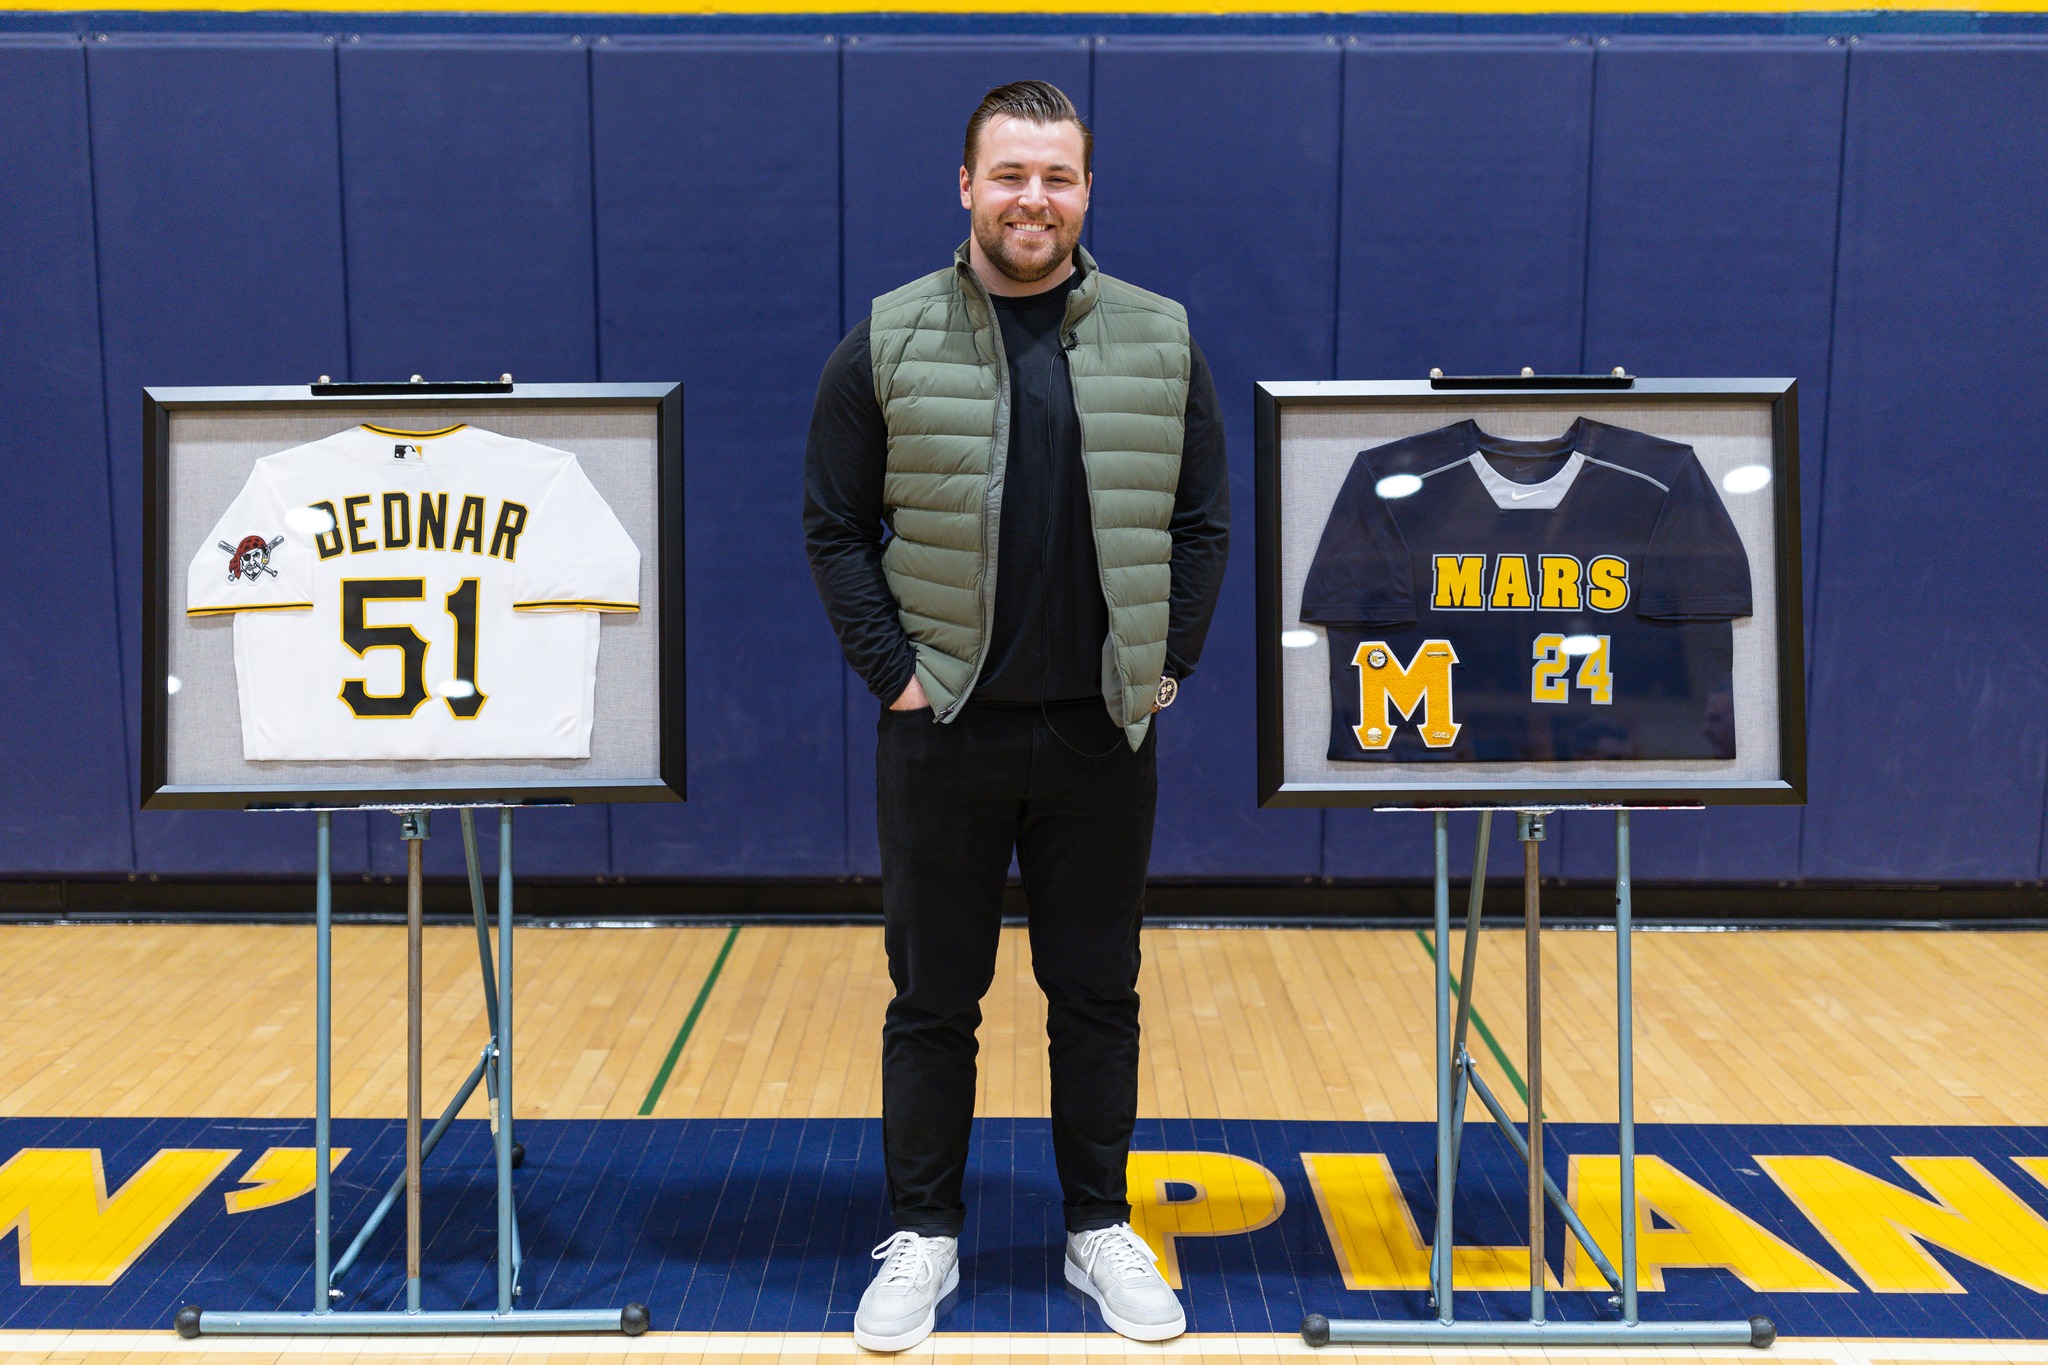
1420 686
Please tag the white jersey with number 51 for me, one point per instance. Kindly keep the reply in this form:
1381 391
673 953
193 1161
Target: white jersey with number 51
416 595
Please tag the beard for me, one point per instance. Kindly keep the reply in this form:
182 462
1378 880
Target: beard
1029 265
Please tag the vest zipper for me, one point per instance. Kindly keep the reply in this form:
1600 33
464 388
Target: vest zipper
1123 682
991 496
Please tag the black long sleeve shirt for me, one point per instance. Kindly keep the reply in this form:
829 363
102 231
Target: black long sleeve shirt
1050 617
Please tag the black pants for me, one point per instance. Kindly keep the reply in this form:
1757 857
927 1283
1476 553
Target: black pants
1063 789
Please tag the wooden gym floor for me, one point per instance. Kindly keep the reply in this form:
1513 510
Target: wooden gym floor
1760 1028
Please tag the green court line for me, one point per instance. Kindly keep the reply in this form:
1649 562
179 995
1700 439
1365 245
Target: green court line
675 1049
1492 1045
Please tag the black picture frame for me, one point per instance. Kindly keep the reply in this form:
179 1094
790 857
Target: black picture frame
1271 399
158 793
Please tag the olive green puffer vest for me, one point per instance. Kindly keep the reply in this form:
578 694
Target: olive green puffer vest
944 389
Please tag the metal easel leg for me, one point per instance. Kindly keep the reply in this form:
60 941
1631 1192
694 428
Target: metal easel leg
474 868
1556 1196
1529 829
398 1187
1475 896
1446 1176
1461 1061
485 1071
1625 1058
488 1067
1318 1330
412 826
323 1064
496 1062
508 1223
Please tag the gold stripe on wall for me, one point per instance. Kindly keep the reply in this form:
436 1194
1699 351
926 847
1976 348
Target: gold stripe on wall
1182 7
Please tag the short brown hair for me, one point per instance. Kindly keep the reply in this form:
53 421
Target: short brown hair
1033 101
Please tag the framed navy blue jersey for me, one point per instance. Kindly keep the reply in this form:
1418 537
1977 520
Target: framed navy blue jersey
1529 597
1491 599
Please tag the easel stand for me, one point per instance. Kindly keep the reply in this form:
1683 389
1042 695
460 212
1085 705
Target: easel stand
493 1069
1456 1080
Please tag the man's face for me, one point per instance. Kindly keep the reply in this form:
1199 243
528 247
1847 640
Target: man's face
1027 195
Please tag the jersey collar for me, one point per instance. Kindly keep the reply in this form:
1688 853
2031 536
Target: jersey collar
1544 496
1527 497
372 444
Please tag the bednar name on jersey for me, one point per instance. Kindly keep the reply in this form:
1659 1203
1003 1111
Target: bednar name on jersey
1494 600
354 533
416 595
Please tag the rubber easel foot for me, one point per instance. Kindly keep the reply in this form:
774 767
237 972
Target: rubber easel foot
518 1155
633 1319
1762 1332
188 1321
1315 1330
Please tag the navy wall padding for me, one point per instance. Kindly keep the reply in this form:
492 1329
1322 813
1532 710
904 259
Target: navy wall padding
217 187
1464 223
1256 264
1463 247
473 196
1716 174
903 118
466 174
718 259
1242 23
1930 674
62 809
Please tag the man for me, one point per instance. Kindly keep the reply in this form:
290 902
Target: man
1042 443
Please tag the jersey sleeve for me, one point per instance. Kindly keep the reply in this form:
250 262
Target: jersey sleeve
575 556
255 559
1360 574
1695 568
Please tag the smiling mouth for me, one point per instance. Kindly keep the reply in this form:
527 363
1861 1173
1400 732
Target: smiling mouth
1031 229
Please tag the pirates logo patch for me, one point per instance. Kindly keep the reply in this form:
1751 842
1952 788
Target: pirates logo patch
250 558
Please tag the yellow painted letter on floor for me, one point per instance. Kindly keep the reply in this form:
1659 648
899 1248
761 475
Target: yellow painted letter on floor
1374 1232
1705 1230
279 1176
1879 1226
67 1229
2035 1166
1229 1195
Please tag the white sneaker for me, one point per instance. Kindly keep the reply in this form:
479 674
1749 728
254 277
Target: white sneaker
1114 1267
898 1309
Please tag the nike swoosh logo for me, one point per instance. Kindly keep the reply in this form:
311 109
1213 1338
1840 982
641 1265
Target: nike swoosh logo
1519 496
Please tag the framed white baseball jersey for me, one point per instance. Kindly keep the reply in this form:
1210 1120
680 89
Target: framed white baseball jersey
424 595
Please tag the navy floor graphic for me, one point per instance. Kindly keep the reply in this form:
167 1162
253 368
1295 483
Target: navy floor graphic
765 1226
